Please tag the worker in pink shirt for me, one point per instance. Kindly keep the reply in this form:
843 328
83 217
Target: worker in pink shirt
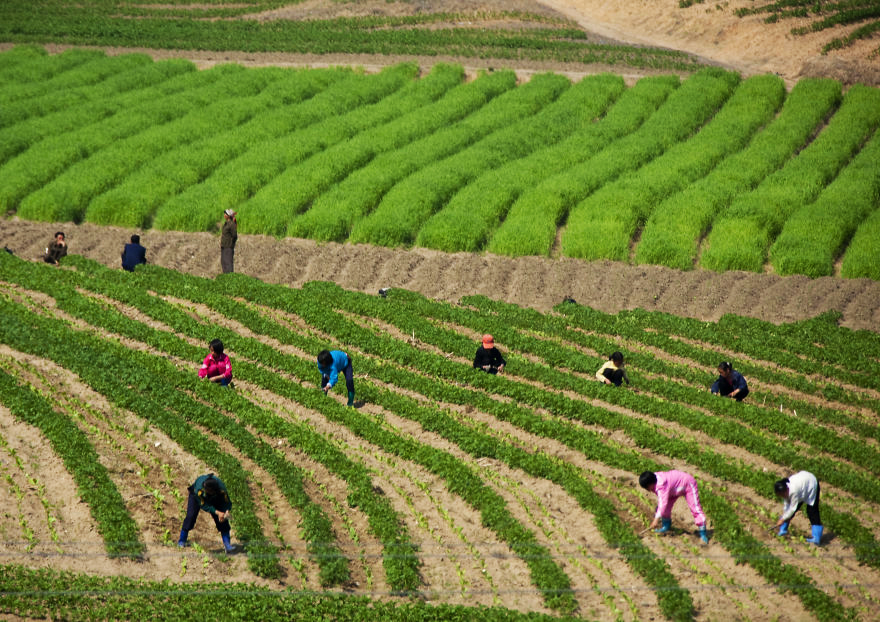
669 486
216 366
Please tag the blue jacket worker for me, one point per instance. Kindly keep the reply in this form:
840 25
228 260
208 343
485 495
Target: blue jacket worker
208 494
730 383
133 254
330 364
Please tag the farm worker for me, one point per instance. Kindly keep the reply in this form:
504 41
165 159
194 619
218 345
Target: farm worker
56 250
800 488
488 358
730 383
216 367
228 238
133 254
613 371
330 363
669 486
208 494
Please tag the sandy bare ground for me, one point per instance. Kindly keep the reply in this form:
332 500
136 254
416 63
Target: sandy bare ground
528 281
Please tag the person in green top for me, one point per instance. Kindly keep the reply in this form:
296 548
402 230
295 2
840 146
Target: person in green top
208 494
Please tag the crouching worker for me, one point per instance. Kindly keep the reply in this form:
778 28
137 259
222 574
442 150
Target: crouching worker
216 367
669 486
330 364
800 488
488 358
730 383
208 494
613 371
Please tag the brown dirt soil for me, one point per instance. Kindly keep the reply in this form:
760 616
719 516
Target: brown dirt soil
537 282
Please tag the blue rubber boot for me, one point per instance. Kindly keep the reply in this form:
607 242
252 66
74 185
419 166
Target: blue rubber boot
703 536
665 525
350 398
181 541
783 529
227 544
817 535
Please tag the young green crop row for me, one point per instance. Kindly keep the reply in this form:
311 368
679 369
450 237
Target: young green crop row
603 225
70 596
740 238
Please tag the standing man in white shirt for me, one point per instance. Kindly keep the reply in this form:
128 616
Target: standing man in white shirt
800 488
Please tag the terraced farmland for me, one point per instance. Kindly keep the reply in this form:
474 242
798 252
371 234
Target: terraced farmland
443 486
712 170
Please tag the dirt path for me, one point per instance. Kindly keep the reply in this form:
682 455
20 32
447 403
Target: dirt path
528 281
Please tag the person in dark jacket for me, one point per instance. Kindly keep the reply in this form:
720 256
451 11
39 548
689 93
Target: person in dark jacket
331 363
228 238
730 383
56 250
488 358
208 494
133 254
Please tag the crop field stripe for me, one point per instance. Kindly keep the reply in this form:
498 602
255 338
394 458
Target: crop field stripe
91 79
673 231
17 64
291 192
194 134
812 239
66 197
464 223
343 111
41 75
611 216
688 109
530 225
111 378
306 367
50 157
534 112
400 571
332 214
34 592
547 576
94 485
687 451
86 25
692 419
860 258
741 237
89 105
134 201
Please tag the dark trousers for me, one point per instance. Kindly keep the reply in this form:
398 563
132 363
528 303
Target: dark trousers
614 375
348 372
812 510
725 388
227 256
192 514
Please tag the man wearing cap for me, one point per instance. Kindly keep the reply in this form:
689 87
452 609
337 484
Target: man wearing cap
228 238
488 358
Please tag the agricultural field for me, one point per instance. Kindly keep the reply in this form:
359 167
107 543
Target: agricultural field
710 171
682 181
444 488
